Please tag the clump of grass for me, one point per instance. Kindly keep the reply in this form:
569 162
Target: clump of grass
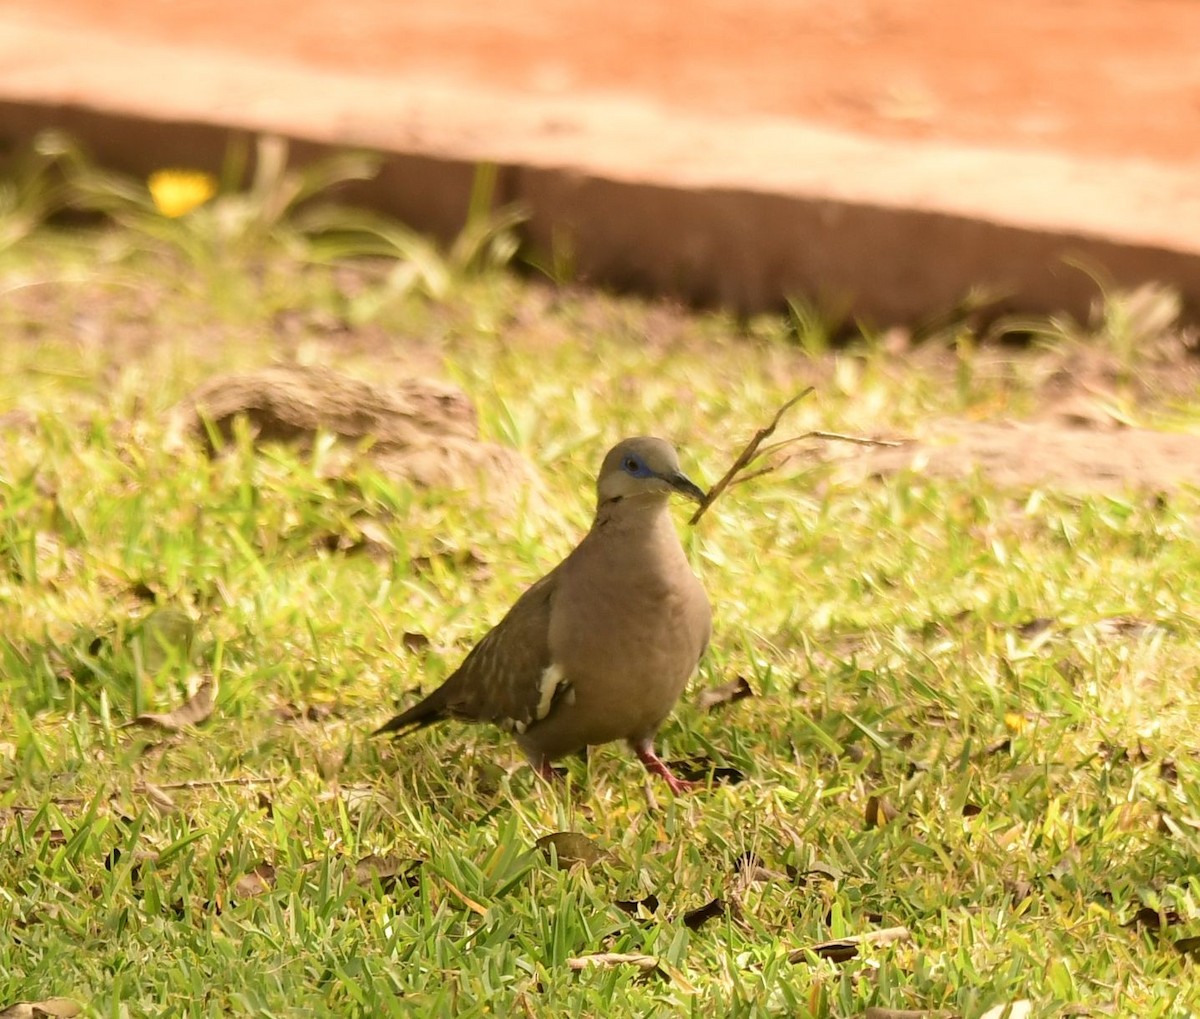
973 716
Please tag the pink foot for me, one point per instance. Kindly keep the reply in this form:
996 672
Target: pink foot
655 765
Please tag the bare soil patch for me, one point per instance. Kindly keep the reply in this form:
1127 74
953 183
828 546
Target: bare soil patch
1028 455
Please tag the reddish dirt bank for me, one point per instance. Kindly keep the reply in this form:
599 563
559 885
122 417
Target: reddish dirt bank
1096 77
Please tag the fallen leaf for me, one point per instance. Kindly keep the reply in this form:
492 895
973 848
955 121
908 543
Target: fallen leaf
289 711
477 908
259 881
414 642
1188 946
570 849
1124 626
159 797
879 812
844 949
198 708
1019 890
875 1012
1153 919
750 869
719 696
388 871
696 918
60 1008
702 769
1010 1010
818 870
634 906
144 592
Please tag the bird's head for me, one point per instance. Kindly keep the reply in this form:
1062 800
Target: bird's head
643 467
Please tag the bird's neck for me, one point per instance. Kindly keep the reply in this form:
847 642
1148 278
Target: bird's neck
645 513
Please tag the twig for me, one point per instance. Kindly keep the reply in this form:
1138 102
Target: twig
858 440
607 960
842 949
754 449
747 454
141 789
208 783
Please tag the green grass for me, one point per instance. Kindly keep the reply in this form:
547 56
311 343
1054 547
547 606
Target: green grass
1047 786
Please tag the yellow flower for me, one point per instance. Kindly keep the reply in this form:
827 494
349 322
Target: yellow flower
178 192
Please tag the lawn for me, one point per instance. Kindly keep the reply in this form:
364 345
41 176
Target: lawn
974 708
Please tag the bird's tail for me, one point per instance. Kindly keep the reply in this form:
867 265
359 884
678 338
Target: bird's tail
425 712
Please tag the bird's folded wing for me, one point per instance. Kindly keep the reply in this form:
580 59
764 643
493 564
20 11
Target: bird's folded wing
504 677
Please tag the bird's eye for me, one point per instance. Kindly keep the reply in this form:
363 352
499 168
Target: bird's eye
631 465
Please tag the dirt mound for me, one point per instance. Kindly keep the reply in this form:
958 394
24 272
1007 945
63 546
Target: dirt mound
420 430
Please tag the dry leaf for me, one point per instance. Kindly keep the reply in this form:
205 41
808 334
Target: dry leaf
60 1008
414 642
726 693
289 711
477 908
634 906
198 708
158 797
570 849
696 918
875 1012
701 769
844 949
387 870
750 869
879 812
1188 946
1019 890
259 881
1152 919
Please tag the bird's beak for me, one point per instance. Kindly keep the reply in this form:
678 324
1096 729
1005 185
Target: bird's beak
685 486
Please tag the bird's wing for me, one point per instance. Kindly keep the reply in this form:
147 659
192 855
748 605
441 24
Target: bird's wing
509 678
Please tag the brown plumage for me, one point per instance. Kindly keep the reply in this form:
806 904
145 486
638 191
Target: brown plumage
601 647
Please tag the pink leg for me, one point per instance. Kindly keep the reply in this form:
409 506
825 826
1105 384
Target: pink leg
654 764
546 771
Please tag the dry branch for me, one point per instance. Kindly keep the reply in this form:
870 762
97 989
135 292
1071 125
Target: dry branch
753 450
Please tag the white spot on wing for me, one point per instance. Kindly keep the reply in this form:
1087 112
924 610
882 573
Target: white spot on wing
552 676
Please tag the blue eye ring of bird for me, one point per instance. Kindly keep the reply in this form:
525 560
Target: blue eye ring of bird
636 467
